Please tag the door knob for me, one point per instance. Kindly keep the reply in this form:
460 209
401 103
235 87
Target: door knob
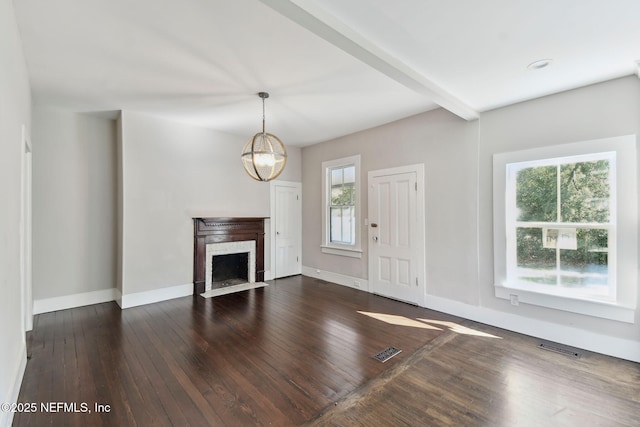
375 238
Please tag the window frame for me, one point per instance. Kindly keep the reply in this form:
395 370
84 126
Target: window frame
622 303
349 250
350 207
512 224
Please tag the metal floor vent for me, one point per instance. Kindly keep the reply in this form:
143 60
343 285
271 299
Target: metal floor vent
558 348
387 354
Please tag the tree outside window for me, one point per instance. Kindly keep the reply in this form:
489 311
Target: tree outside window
561 225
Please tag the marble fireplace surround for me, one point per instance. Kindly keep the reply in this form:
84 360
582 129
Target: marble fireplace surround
226 248
244 233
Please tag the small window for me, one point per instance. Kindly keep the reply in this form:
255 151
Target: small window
341 200
342 205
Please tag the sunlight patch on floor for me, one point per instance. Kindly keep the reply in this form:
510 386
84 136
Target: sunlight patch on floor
454 327
393 319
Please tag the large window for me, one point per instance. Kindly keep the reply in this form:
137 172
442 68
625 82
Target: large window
565 227
341 200
561 227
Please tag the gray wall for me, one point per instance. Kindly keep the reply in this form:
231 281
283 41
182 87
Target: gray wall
171 174
598 111
74 203
458 194
447 145
113 199
14 113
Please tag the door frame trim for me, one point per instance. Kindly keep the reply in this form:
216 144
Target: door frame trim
420 219
272 229
26 230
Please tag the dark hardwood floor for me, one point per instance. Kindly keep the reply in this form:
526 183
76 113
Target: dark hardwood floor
500 380
300 351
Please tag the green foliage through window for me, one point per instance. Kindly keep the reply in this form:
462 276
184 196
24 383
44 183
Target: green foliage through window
568 198
584 192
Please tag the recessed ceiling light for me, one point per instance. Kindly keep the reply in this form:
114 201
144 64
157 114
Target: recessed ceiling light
540 63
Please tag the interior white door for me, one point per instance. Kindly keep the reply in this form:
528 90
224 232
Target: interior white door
288 229
395 262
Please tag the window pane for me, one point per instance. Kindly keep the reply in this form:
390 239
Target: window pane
536 263
336 224
342 222
350 175
346 225
352 215
336 196
349 193
536 194
342 196
587 266
585 191
336 176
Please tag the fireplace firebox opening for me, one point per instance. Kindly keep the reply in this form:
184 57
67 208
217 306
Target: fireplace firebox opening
229 270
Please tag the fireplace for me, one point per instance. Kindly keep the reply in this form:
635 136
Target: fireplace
236 238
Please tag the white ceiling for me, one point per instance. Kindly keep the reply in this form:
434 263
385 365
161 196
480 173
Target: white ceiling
332 67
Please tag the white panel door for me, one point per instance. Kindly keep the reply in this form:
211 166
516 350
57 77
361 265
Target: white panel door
395 245
288 230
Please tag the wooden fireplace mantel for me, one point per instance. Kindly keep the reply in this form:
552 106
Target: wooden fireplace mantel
227 229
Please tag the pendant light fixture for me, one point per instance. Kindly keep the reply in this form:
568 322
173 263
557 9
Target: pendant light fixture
264 156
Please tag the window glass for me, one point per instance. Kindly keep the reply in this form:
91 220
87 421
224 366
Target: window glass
561 225
565 232
536 195
342 206
585 191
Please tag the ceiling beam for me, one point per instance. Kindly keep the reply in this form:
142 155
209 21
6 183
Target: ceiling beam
334 31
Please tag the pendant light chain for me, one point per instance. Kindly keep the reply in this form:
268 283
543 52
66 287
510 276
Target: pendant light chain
263 95
263 120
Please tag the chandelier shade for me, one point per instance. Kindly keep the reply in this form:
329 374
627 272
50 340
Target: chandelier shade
264 156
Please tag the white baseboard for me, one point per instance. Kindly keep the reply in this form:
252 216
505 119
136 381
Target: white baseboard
6 417
47 305
124 301
155 295
574 337
340 279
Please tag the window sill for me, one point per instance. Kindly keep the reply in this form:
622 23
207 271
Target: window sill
604 310
348 252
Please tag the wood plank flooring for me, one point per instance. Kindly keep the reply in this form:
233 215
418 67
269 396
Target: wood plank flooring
299 351
501 379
